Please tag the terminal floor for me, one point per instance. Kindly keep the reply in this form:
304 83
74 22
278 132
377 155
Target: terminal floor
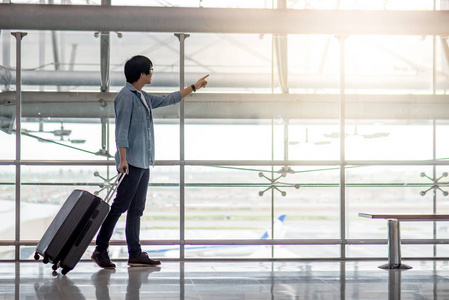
228 280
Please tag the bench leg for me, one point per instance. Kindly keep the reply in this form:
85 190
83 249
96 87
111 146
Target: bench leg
394 247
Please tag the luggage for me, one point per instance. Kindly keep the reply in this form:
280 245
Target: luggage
74 227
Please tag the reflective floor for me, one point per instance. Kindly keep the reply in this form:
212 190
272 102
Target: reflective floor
228 280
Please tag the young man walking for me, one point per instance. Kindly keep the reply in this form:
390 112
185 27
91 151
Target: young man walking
134 136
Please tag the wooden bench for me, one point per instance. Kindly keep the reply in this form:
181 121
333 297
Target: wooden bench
394 235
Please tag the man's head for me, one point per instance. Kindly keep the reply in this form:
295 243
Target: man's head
136 66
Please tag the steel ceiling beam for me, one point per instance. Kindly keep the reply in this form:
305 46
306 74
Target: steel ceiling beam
235 106
221 20
234 81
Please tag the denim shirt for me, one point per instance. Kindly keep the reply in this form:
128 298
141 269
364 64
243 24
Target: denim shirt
134 128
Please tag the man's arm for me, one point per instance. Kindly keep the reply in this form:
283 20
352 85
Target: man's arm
123 111
123 166
198 85
176 97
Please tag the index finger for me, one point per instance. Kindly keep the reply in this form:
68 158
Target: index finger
202 78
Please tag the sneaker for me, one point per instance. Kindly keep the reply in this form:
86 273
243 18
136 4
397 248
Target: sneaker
102 260
143 261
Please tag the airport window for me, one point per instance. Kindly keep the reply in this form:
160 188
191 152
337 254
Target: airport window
259 158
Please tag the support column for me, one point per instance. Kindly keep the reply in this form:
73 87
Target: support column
18 36
105 54
342 40
394 247
181 37
280 42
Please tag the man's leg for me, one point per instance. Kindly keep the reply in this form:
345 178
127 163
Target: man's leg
125 193
135 212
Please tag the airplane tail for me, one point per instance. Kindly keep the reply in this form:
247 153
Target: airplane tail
278 228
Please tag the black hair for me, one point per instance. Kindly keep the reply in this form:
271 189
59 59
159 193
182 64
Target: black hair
135 66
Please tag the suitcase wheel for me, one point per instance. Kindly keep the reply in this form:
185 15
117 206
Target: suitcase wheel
36 256
55 267
65 271
45 260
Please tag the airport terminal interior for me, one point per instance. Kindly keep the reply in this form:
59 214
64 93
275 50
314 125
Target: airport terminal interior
314 165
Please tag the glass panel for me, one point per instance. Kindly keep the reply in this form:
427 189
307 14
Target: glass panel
228 251
368 250
407 251
442 143
161 217
306 251
225 211
224 141
417 250
235 62
388 64
389 140
166 139
441 63
313 140
312 211
7 203
442 250
162 251
6 253
8 139
161 48
60 61
72 140
313 64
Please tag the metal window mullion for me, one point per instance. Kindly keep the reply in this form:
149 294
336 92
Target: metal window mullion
342 148
18 36
181 37
434 198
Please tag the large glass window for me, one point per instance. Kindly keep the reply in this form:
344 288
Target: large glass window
262 144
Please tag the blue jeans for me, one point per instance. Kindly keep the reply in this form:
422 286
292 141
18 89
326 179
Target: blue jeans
131 197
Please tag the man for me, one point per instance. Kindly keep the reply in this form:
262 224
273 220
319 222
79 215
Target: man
134 137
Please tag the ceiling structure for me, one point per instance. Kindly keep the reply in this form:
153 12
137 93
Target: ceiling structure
106 18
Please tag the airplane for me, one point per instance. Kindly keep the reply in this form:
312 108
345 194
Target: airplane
221 250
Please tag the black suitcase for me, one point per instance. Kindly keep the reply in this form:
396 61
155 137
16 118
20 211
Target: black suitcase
74 227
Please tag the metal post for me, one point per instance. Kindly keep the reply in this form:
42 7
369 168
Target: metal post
394 243
18 36
394 247
105 54
272 190
104 60
181 37
342 40
434 170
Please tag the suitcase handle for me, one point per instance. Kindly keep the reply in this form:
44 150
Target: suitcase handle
114 188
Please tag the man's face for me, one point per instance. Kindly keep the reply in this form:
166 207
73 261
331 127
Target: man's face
148 76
